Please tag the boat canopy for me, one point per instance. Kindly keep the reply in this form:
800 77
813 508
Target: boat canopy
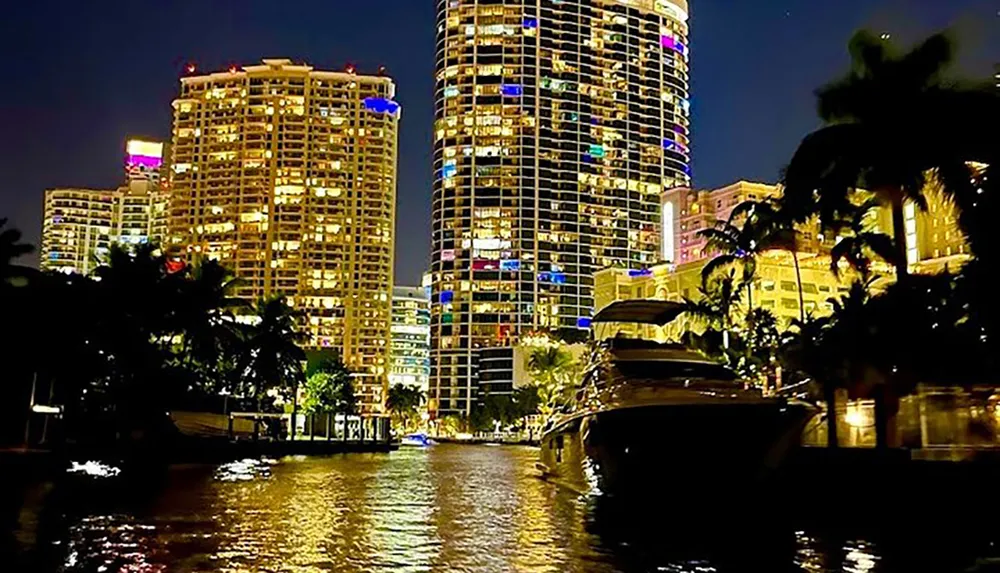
658 312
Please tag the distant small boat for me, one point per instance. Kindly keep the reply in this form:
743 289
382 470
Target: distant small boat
416 441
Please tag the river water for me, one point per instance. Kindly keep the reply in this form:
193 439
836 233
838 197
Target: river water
455 508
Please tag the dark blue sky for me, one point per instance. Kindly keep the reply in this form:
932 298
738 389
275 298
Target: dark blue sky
79 76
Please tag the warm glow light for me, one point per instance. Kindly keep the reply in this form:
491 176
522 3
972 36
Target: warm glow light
667 230
144 148
855 416
42 409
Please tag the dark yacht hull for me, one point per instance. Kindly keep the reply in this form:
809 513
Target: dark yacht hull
630 450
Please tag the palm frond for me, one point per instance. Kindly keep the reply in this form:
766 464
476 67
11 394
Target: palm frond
844 249
723 237
715 265
882 245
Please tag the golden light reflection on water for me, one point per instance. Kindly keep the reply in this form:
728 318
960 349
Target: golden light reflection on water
402 536
448 508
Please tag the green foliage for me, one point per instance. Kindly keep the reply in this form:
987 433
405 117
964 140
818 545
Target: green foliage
271 359
329 389
527 401
403 403
509 410
451 425
556 373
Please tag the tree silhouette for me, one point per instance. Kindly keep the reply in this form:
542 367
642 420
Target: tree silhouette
875 135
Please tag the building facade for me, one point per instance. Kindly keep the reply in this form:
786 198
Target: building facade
411 338
557 127
687 211
141 213
933 239
76 229
775 289
287 175
80 225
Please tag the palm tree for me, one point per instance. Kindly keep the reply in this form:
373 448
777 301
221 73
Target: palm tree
211 336
736 244
718 300
403 402
137 327
11 248
875 135
776 231
526 401
861 240
835 351
803 351
272 358
553 369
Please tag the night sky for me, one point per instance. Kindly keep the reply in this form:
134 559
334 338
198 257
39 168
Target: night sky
79 77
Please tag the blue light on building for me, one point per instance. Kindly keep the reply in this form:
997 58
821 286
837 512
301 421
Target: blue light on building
583 322
554 278
511 90
381 105
530 23
510 265
447 296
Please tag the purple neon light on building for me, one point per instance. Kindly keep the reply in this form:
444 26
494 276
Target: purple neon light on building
145 161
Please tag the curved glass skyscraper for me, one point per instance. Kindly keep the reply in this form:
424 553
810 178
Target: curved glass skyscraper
558 123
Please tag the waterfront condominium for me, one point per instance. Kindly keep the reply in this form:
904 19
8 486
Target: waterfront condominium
411 337
80 225
557 126
287 175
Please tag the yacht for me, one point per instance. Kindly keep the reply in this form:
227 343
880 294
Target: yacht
647 414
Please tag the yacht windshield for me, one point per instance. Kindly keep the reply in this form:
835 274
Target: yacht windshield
672 370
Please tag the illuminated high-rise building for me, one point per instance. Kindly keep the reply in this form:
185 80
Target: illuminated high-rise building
287 175
76 229
141 211
557 126
411 337
80 225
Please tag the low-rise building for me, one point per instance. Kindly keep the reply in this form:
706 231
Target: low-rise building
933 240
776 288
